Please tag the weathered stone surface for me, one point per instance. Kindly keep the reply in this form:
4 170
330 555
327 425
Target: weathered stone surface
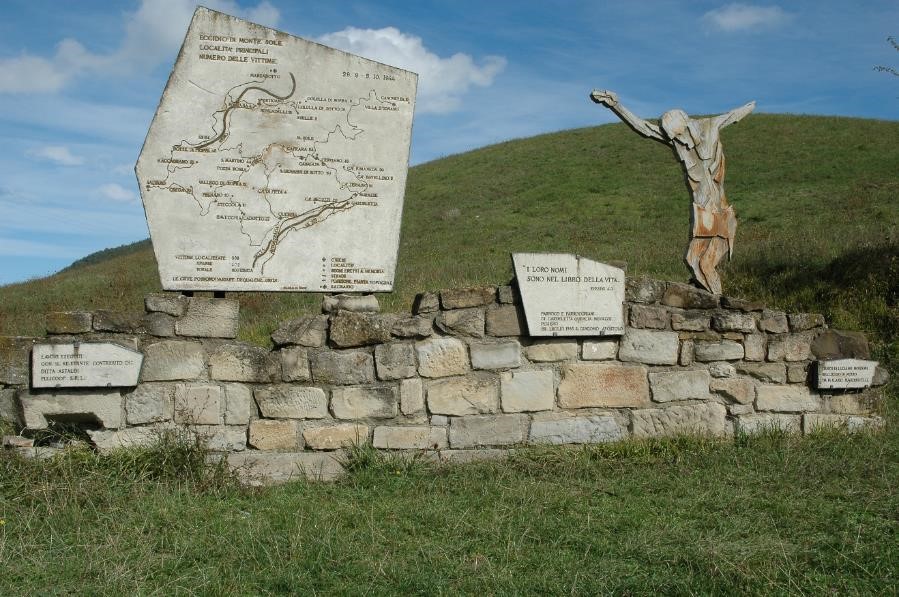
786 399
739 304
705 336
14 359
586 385
439 420
600 350
460 298
507 295
643 290
496 355
685 355
725 350
342 367
789 347
460 396
505 320
118 322
667 386
170 304
685 296
270 468
753 424
208 318
767 372
739 409
733 321
800 322
774 322
426 302
291 402
295 364
243 362
412 396
240 407
737 389
356 303
417 437
173 360
812 422
755 347
850 404
334 437
649 316
708 418
395 361
134 437
523 391
441 357
275 434
650 347
158 324
690 321
837 344
562 428
9 407
489 430
199 404
16 441
350 329
101 406
462 322
150 403
364 403
881 376
309 330
722 369
557 349
797 372
413 326
69 322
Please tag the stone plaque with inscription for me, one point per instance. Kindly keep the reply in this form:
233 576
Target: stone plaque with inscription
84 365
845 374
567 295
275 163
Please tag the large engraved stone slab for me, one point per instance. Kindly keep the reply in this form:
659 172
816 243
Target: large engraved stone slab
567 295
845 374
275 163
84 365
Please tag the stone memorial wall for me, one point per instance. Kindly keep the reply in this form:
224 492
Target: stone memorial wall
458 378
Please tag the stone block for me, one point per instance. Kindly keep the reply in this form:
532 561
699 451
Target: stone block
722 369
586 385
69 322
599 350
170 304
797 372
356 303
243 362
291 402
505 354
271 468
814 422
275 434
439 421
295 364
685 296
462 322
733 321
649 316
488 430
524 391
881 376
350 329
412 396
460 396
106 440
774 322
786 399
9 407
724 350
562 428
411 437
15 356
16 441
800 322
685 355
707 418
364 403
91 406
505 320
850 404
170 360
649 347
413 326
736 389
395 361
222 438
766 372
755 347
547 351
240 407
442 357
668 386
643 290
460 298
199 404
426 302
789 347
158 324
753 424
691 321
209 318
837 344
334 437
739 304
342 367
309 330
118 322
150 403
507 295
739 409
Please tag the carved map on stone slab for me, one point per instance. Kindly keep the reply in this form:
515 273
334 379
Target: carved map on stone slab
275 163
567 295
84 365
845 374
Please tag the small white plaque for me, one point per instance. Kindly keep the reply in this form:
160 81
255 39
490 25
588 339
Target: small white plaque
84 365
845 374
568 295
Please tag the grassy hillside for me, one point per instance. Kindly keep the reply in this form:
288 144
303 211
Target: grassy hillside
817 200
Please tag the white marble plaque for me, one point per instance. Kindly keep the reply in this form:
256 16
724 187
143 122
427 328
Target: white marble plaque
567 295
845 374
84 365
275 163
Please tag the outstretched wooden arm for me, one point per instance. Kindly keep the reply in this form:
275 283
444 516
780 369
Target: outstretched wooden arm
609 99
734 115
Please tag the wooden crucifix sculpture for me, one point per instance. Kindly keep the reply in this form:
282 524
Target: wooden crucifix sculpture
697 144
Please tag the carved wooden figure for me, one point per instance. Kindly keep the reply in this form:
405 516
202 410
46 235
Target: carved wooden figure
697 143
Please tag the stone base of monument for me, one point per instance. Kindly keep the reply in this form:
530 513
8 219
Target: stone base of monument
459 378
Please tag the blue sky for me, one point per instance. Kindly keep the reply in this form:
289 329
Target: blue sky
80 81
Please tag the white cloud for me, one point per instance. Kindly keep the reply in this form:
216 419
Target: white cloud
116 192
442 81
745 17
56 153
